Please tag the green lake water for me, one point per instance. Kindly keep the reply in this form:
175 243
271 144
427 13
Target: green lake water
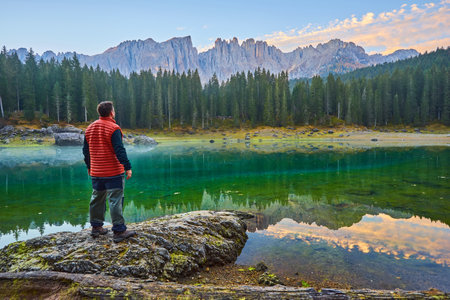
375 218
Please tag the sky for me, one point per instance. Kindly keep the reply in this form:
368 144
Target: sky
91 27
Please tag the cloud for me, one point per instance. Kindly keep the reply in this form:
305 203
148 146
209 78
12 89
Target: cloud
205 48
422 27
181 28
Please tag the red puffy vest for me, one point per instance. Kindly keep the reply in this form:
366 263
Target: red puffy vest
104 162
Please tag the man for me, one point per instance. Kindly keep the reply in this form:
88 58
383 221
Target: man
107 163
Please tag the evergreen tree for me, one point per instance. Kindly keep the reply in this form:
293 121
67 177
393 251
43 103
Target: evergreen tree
29 85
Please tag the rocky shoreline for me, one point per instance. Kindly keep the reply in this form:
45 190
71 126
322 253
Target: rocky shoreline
59 135
59 285
167 249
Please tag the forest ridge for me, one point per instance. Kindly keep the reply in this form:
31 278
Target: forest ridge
409 92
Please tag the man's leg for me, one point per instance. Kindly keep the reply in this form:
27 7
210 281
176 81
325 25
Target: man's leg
115 196
97 208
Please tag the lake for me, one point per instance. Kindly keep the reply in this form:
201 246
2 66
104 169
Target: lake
375 218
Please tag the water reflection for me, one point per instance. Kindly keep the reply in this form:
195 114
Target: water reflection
413 238
360 214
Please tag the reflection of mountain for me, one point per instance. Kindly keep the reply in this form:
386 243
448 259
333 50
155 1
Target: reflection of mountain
414 237
333 215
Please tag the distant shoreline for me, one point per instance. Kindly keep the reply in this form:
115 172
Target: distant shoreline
437 135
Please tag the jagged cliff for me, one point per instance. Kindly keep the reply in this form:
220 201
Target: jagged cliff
229 57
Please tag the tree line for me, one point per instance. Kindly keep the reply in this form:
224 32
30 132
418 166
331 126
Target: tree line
414 94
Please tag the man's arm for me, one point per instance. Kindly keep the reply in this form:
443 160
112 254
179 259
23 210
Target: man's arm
121 153
87 156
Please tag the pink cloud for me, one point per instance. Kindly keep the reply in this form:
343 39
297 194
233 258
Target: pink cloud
424 28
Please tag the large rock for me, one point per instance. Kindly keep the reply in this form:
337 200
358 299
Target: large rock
144 140
165 248
69 139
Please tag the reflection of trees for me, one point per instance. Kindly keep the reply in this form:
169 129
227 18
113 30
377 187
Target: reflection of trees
306 210
328 188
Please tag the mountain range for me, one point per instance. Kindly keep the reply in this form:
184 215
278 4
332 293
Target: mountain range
228 57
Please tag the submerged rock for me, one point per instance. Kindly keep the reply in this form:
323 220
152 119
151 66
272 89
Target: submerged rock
166 248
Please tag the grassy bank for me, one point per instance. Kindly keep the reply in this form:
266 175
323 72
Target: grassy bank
267 137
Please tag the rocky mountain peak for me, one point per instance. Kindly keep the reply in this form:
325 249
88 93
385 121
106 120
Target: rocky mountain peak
228 57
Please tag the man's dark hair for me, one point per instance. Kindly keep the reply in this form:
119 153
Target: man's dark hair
105 108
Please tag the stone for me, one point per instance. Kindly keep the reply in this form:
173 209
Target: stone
211 141
261 267
330 131
8 129
268 279
68 139
144 140
55 128
47 131
167 247
315 130
374 140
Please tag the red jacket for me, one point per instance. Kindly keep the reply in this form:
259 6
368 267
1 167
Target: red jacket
103 160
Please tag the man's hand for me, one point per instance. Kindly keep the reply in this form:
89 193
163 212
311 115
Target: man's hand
128 174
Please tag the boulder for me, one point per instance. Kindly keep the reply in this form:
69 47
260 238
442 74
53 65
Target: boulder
69 139
168 247
144 140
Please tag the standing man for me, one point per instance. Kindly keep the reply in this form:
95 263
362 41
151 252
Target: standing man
107 163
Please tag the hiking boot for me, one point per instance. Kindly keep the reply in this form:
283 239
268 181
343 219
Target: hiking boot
98 230
120 236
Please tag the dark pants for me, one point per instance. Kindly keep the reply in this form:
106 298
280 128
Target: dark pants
111 188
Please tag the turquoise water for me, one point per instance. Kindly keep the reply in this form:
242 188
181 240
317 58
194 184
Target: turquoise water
374 218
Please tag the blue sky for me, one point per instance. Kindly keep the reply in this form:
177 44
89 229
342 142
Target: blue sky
90 27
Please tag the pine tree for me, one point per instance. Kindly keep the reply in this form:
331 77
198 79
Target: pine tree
159 99
316 100
57 98
268 108
29 88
